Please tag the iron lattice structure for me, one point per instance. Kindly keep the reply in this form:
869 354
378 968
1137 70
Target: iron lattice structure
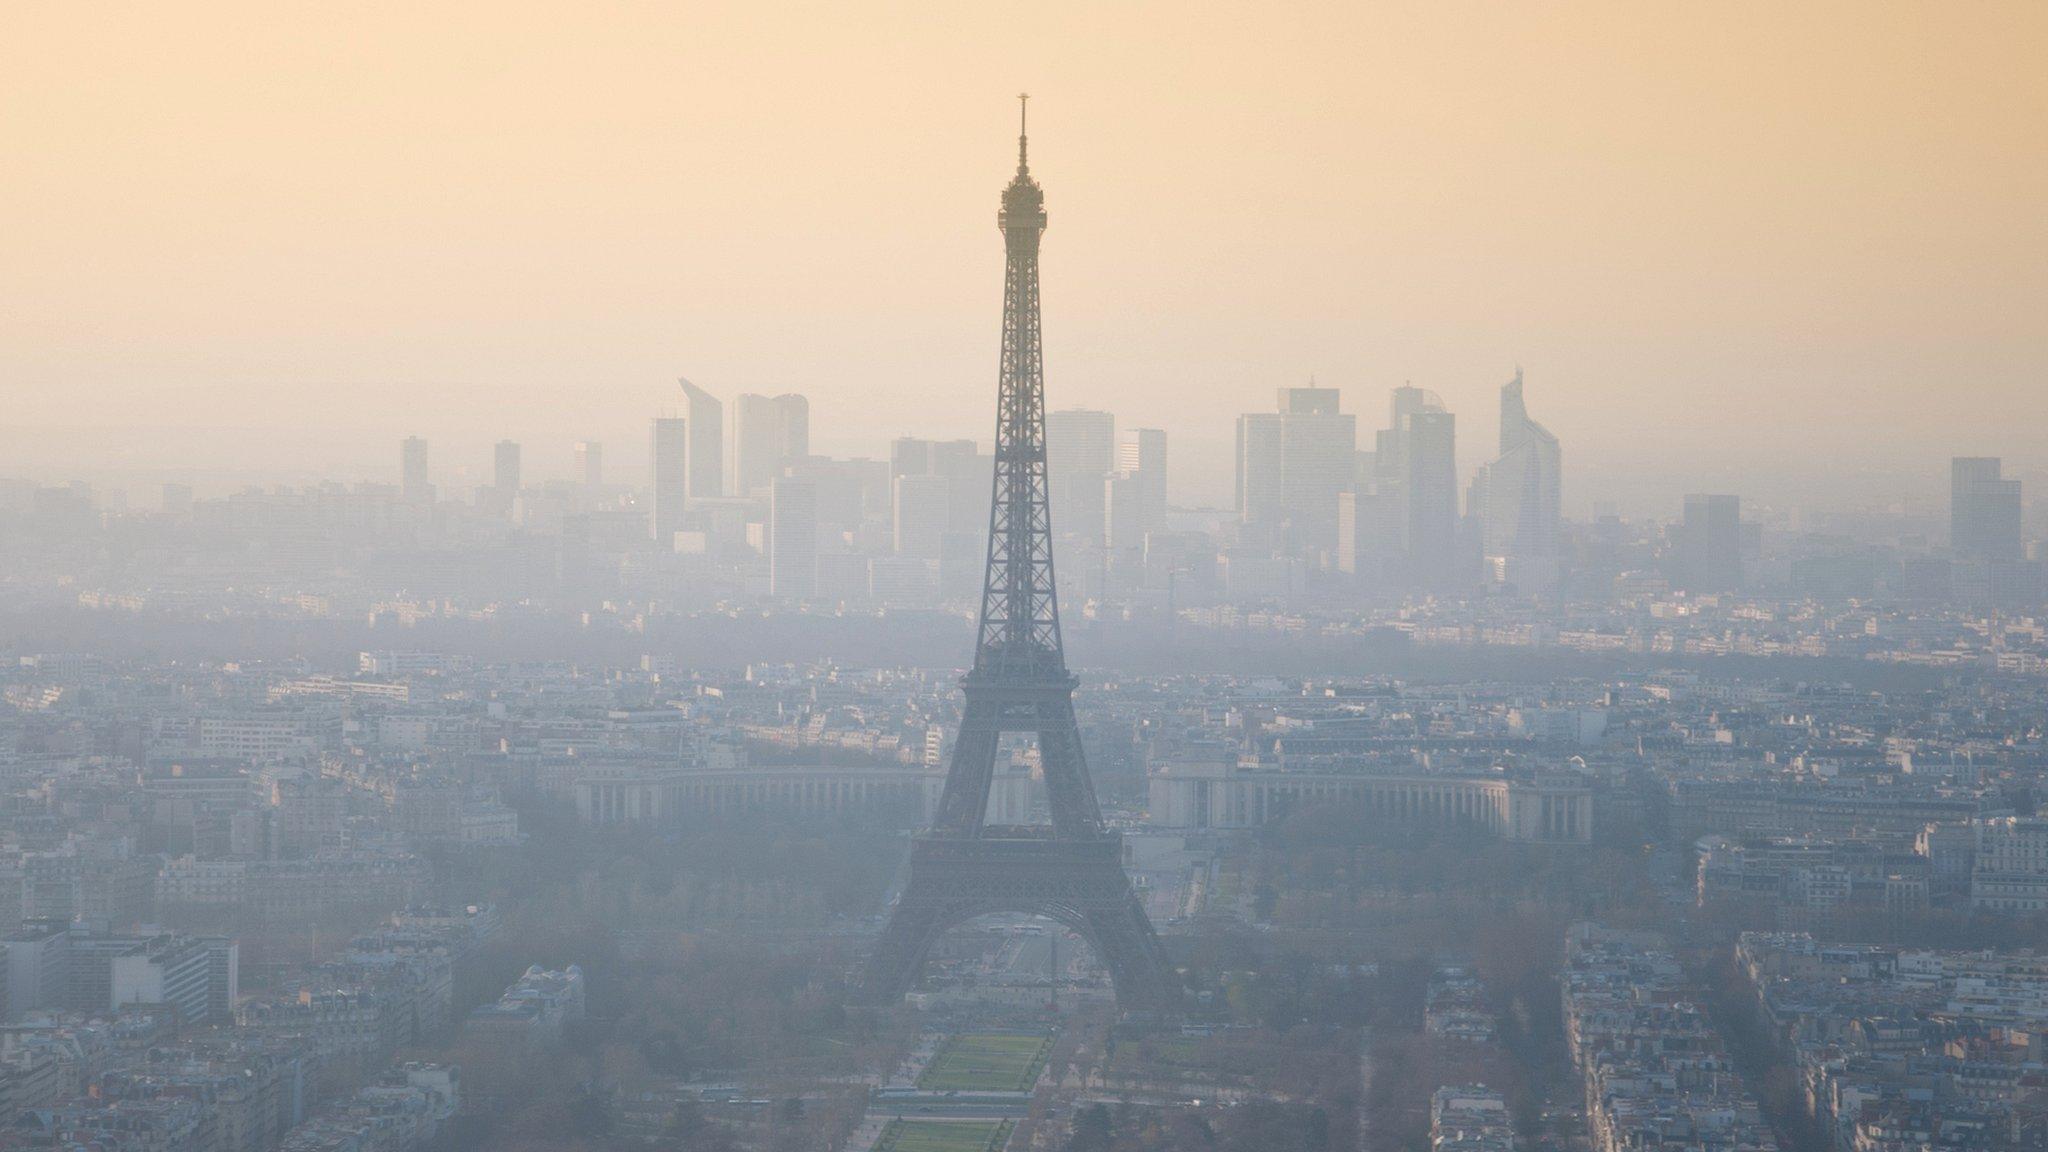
1071 872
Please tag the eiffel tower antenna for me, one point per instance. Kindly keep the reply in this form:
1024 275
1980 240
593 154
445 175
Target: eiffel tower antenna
1072 871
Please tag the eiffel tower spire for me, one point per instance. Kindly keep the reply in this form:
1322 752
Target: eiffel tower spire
963 867
1023 133
1020 614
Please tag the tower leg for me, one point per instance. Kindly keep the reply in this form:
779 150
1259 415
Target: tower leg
964 803
1068 790
1137 964
900 953
958 880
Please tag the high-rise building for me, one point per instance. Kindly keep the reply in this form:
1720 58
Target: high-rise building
1125 530
706 476
854 496
1408 525
505 466
792 537
1518 497
1709 545
921 508
1291 466
967 471
1984 510
795 412
1260 472
1142 454
412 471
503 494
672 445
1369 532
1432 495
910 456
590 462
1080 453
767 433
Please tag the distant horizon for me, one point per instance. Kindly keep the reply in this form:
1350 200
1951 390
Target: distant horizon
1765 246
1649 486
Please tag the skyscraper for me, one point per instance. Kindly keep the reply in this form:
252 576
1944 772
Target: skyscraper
956 459
1410 523
854 495
590 462
1369 530
1260 472
1709 545
1432 494
1291 466
1518 497
767 433
672 467
966 471
909 456
504 490
412 471
921 501
1984 510
1142 454
792 537
505 466
706 476
1124 530
1080 453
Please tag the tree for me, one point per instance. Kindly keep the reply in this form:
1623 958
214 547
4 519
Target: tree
1092 1132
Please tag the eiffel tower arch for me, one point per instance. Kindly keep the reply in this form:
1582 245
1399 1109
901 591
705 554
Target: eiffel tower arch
962 867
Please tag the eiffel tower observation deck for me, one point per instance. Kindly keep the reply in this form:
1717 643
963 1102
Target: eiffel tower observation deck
963 867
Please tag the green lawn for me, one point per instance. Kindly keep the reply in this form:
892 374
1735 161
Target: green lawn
944 1136
1178 1050
986 1062
1162 1056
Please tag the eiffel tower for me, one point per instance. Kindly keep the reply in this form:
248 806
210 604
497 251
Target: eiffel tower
963 867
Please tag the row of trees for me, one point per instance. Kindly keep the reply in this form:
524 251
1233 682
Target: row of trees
710 952
1259 1126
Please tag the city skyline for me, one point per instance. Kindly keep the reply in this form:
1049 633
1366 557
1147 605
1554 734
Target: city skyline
1920 478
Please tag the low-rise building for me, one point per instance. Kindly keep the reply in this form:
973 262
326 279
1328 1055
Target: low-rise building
1469 1118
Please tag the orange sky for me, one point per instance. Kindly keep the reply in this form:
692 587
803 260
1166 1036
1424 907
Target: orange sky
1723 239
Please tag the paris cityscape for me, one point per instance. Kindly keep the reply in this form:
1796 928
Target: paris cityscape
825 766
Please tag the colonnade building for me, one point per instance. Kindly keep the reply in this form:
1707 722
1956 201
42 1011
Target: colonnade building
630 792
1550 808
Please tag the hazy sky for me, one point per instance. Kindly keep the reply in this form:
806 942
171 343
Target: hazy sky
1728 242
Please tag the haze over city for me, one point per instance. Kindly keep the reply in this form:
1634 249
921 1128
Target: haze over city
1800 246
1449 578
